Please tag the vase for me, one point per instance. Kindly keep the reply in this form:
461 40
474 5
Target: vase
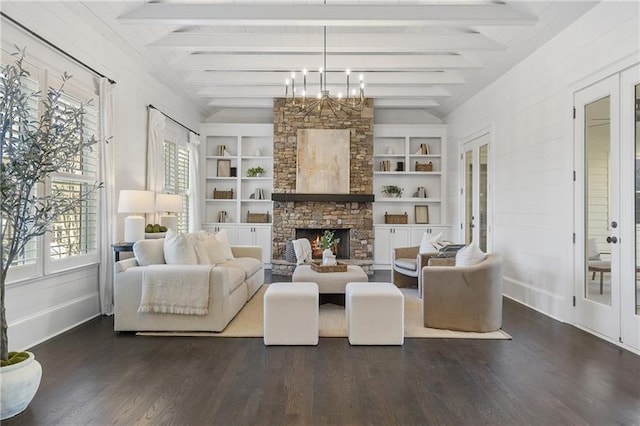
327 254
18 385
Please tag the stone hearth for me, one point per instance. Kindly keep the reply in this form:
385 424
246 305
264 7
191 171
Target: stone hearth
354 215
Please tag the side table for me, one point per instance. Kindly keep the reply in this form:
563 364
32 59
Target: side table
121 247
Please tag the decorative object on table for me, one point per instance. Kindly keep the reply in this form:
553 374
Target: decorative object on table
328 243
255 172
424 167
257 217
32 149
234 171
223 194
222 216
400 166
323 159
168 204
422 214
155 231
338 267
224 168
396 219
385 166
420 193
135 202
392 191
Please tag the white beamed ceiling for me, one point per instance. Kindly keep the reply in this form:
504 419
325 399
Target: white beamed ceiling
413 54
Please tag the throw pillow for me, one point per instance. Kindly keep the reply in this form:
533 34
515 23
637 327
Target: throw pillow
223 238
427 245
179 249
470 255
149 252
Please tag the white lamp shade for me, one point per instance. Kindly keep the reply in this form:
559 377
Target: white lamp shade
132 201
168 203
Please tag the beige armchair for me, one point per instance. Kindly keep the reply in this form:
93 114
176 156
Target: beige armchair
407 263
465 298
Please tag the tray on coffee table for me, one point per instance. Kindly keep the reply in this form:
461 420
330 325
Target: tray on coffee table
319 267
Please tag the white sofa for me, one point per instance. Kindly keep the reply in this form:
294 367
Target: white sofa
231 284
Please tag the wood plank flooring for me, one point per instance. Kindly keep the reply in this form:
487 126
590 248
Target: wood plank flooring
549 374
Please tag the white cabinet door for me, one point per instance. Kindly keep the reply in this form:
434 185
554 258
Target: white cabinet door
256 236
388 238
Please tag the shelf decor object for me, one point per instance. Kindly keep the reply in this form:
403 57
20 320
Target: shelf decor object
222 195
257 217
422 214
136 203
424 167
396 219
168 204
224 168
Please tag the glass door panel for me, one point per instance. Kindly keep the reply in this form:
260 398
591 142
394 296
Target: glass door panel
597 145
483 197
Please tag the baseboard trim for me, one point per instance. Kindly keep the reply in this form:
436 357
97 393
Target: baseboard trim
35 329
607 339
534 298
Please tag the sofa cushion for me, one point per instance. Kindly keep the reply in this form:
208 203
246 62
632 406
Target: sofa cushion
149 252
405 263
223 238
236 278
469 255
248 265
179 249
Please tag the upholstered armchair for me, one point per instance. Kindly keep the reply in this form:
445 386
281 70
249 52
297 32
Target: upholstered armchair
407 263
465 298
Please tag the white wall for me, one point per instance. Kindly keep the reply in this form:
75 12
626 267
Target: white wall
39 309
529 111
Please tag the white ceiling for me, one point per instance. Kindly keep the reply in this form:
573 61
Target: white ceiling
421 54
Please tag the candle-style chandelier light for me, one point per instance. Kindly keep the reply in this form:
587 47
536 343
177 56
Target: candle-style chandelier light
352 103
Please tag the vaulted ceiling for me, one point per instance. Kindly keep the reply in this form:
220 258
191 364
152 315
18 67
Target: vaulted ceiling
418 54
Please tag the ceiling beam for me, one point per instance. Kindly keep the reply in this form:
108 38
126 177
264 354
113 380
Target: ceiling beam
365 63
330 15
312 91
257 78
404 103
268 103
343 43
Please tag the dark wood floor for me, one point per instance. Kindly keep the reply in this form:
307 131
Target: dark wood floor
549 374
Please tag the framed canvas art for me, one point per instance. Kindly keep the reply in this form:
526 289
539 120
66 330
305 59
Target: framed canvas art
323 161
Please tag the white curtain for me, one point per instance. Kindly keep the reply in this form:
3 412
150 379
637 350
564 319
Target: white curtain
107 196
194 182
155 151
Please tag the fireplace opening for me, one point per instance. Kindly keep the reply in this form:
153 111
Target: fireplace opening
314 235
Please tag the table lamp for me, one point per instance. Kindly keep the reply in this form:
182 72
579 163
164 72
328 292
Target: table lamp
135 202
169 203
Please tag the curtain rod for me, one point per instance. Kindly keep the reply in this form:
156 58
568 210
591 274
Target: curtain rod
173 119
48 43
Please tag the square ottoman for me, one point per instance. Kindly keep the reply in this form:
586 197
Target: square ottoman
375 313
291 314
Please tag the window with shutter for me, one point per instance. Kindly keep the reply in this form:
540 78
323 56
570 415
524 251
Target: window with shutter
176 179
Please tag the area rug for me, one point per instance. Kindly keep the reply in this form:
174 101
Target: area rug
249 322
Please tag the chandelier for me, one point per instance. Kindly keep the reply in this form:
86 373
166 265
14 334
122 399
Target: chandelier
352 103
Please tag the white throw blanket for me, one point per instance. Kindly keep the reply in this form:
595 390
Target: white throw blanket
175 289
302 248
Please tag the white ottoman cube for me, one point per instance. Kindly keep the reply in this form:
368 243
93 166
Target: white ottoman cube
375 313
291 314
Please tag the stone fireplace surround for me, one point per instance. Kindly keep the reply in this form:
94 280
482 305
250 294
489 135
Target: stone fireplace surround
346 213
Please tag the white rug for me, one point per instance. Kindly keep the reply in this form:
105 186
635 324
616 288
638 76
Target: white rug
249 322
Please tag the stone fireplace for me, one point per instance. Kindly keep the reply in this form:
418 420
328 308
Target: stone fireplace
351 213
314 234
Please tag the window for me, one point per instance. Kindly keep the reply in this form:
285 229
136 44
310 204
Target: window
176 178
73 240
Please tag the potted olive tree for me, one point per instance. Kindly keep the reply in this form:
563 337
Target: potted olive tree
31 150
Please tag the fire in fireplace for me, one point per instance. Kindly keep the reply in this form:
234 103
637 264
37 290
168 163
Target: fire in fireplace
314 235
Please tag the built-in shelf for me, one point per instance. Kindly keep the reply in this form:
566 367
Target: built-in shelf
407 200
355 198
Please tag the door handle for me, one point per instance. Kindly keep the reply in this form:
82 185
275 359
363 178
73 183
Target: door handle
612 240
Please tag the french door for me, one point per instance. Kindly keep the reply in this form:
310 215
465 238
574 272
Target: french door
607 149
476 191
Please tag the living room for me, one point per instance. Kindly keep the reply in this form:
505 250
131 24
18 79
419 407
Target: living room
523 108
